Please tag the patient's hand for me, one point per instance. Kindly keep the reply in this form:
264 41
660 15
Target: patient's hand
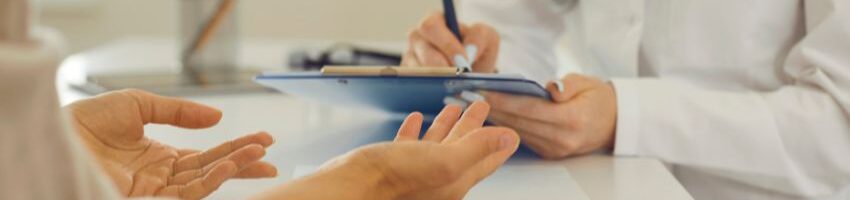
112 126
454 155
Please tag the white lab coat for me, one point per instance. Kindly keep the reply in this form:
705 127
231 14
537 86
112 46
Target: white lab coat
745 99
40 157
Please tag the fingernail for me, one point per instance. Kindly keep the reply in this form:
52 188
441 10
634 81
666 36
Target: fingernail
454 101
471 96
506 141
461 62
472 53
273 172
559 84
273 140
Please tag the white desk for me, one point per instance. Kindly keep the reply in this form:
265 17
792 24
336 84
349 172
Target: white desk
308 133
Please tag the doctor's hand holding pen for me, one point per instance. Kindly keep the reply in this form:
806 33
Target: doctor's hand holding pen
581 119
433 44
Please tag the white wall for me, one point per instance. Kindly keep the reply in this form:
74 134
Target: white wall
106 20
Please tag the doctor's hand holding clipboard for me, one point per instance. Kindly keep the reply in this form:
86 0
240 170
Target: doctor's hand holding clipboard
742 98
580 120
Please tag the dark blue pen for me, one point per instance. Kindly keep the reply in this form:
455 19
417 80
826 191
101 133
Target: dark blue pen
451 21
451 18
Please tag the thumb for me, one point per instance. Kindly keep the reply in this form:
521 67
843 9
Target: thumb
173 111
569 87
490 147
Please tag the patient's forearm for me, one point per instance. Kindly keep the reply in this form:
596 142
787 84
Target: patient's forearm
337 183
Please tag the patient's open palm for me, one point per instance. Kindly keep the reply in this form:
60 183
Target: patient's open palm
112 127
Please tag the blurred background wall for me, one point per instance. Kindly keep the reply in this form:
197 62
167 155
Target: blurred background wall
88 23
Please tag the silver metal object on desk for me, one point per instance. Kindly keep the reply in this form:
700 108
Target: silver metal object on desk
209 48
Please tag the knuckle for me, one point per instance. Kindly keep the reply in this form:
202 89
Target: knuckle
447 172
372 154
482 27
130 90
562 117
435 14
547 151
200 173
548 156
488 30
487 27
134 92
430 59
478 28
574 120
562 146
573 77
430 24
552 154
407 62
574 124
481 32
537 108
581 122
412 35
565 146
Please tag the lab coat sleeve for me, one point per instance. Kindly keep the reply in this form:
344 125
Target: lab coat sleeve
795 140
529 31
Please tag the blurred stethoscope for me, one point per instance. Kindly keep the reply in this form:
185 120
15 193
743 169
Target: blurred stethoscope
341 55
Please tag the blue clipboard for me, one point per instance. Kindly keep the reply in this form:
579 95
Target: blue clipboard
394 94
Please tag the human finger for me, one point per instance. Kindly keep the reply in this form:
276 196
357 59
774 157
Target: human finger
187 176
409 59
489 164
526 106
200 188
434 30
259 169
410 128
173 111
541 146
443 123
185 152
426 53
525 125
570 86
473 118
243 158
227 149
482 46
478 146
547 140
